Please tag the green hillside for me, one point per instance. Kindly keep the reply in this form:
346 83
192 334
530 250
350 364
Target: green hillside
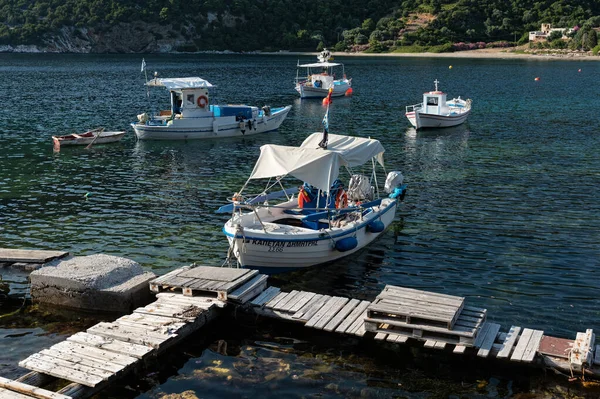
246 25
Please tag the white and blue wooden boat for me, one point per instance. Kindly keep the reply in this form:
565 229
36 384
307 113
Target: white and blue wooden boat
327 220
436 111
319 77
192 116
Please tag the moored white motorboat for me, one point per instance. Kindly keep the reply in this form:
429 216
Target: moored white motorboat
192 116
94 136
320 77
436 111
325 221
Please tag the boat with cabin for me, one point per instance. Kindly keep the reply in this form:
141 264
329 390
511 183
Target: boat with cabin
322 220
437 111
193 116
319 77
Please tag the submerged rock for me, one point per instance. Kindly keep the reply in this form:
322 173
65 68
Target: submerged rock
94 282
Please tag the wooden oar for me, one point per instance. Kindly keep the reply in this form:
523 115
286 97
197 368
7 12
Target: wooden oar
100 130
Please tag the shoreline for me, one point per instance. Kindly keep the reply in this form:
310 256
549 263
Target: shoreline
468 54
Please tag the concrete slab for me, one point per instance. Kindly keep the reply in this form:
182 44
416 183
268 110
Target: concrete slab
94 282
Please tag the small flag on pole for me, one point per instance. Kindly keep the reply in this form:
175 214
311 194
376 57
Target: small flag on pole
326 121
143 65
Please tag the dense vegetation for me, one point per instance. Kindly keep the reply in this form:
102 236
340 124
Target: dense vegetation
381 25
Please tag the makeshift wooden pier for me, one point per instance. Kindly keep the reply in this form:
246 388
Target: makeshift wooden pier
187 298
20 257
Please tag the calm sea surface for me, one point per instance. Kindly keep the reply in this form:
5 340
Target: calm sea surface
502 210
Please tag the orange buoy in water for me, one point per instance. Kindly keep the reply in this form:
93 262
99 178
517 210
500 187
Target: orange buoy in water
348 92
326 101
537 79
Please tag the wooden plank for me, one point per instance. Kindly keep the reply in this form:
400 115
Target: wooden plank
358 325
285 301
300 302
315 307
341 314
32 391
485 345
266 296
59 362
330 313
581 354
7 394
459 332
459 349
521 345
532 346
132 335
391 290
380 336
227 274
359 311
319 309
250 289
273 302
429 344
205 302
93 352
440 345
229 286
79 359
150 320
29 256
509 342
300 313
69 374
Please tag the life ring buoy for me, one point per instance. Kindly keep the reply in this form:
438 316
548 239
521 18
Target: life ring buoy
202 101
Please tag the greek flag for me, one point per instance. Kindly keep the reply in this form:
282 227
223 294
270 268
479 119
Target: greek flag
143 65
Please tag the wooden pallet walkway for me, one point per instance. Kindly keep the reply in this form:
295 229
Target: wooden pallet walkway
404 314
189 297
29 256
93 359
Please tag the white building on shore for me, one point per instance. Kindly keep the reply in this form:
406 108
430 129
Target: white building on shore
547 29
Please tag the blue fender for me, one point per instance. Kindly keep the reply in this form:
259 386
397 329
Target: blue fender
346 244
376 226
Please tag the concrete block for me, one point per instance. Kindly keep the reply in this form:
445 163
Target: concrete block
95 282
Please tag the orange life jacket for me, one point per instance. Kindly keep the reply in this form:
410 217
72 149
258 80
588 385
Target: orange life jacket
303 198
341 199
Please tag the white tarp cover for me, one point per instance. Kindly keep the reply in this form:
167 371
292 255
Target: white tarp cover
180 83
318 167
320 65
355 150
312 164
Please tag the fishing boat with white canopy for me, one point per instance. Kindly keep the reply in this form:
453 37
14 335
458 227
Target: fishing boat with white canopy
436 111
327 219
192 116
320 77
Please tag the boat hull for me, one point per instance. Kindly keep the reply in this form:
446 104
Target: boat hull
280 252
421 120
209 127
320 92
105 137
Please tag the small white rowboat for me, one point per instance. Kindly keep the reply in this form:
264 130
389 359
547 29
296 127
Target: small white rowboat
96 136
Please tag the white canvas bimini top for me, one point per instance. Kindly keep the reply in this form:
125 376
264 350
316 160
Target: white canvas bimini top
355 150
317 166
320 65
180 83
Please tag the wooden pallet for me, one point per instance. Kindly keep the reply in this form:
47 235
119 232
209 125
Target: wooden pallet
323 312
204 280
29 256
108 350
410 306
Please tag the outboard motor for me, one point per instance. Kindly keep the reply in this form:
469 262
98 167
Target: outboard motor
394 186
